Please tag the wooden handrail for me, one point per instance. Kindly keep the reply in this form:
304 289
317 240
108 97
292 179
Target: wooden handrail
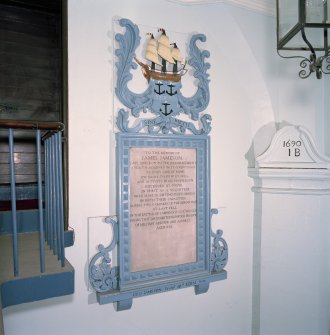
42 125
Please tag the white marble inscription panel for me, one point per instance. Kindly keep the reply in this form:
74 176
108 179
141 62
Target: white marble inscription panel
162 207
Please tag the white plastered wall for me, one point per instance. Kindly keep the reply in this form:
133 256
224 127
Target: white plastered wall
251 89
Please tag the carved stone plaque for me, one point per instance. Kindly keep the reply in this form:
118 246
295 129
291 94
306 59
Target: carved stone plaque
293 147
162 207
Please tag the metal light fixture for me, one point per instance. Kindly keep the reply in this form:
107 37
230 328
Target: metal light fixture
303 25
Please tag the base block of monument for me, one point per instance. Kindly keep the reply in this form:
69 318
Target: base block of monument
123 299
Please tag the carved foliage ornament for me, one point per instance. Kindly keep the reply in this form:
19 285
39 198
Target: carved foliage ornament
104 277
163 96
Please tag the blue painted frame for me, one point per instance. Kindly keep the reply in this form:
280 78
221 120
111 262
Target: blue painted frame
201 144
118 284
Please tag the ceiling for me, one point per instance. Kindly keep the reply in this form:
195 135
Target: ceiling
264 6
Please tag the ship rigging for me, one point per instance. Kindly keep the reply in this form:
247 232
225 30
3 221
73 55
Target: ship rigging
162 56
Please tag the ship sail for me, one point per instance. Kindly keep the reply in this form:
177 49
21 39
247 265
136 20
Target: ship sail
164 49
151 51
176 54
177 57
160 52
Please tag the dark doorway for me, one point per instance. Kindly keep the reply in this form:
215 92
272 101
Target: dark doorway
31 60
33 76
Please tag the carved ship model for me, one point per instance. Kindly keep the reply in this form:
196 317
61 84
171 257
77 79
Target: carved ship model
161 53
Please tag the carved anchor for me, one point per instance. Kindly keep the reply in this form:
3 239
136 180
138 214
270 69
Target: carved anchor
159 92
171 90
166 112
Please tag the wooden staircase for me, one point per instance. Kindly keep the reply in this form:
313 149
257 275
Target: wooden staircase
33 233
30 284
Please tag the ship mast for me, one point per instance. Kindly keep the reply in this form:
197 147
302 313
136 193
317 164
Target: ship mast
160 52
176 56
164 50
151 51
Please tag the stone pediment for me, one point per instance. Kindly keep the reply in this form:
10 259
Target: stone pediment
293 147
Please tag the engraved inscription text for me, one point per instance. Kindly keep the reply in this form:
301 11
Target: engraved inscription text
162 207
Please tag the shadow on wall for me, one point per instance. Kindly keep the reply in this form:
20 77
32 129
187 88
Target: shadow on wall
260 143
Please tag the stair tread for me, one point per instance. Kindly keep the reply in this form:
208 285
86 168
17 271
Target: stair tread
29 258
